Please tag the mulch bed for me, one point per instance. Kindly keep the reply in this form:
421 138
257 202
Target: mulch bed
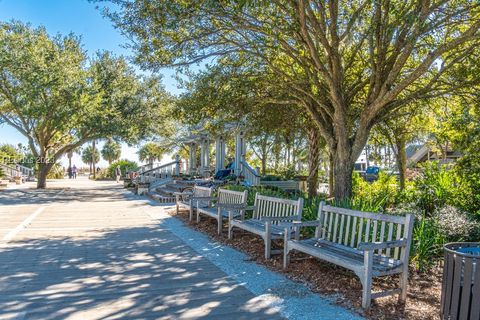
423 301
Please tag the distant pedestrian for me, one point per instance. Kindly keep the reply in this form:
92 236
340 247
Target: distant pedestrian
74 172
70 172
118 173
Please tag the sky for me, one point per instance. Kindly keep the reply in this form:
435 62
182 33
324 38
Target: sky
82 18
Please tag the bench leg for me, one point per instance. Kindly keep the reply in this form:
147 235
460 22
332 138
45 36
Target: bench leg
286 251
403 284
190 217
367 280
198 216
268 240
219 222
230 227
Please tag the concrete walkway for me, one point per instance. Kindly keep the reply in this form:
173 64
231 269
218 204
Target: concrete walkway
91 250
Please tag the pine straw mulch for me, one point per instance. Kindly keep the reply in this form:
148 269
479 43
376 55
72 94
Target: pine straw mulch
423 301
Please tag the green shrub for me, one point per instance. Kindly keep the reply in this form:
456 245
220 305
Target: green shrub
435 187
377 195
427 243
103 174
455 224
125 166
56 172
286 172
467 196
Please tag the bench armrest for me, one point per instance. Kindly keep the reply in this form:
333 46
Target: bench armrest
279 219
366 246
179 193
310 223
203 198
234 206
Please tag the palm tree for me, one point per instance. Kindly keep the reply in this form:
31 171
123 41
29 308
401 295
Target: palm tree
89 156
70 155
151 152
111 151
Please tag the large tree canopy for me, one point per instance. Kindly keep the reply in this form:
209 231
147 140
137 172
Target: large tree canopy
350 63
59 99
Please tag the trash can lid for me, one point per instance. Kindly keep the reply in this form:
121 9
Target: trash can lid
467 249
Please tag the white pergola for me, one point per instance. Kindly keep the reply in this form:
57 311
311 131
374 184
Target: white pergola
204 140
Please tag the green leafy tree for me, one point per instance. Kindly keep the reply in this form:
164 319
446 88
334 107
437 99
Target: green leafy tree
111 151
351 64
90 155
9 154
58 101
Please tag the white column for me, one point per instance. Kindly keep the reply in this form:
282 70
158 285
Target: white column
239 153
193 158
219 153
177 165
207 154
202 156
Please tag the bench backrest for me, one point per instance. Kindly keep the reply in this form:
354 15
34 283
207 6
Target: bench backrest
202 192
350 228
277 207
232 197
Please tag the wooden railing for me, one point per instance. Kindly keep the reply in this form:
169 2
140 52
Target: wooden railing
16 170
146 167
251 176
164 171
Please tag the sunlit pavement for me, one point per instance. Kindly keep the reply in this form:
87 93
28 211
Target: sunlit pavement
86 249
90 250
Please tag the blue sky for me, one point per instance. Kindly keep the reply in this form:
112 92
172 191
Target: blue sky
82 18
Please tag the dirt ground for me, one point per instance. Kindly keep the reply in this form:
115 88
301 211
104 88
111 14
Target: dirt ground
423 301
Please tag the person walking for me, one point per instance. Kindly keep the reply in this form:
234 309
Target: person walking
118 173
70 172
74 172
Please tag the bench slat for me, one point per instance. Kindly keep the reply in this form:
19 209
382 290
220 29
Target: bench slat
399 235
354 230
389 237
382 235
335 227
347 230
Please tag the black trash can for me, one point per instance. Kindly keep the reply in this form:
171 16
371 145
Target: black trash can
461 282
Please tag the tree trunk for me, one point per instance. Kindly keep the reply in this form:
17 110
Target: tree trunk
43 170
264 151
264 166
342 175
401 159
330 175
93 160
313 161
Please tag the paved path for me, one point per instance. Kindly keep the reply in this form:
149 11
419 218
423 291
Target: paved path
91 250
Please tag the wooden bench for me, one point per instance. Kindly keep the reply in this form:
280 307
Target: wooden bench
268 216
198 197
369 244
218 210
3 183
